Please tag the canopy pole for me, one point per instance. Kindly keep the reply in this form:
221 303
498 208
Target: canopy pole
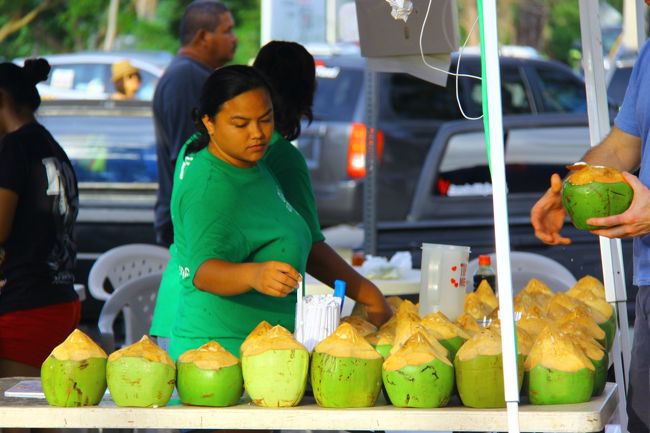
370 181
610 249
493 121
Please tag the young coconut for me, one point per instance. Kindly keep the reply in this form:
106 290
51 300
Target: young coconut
581 316
537 290
559 372
275 368
345 370
479 371
475 307
363 327
141 375
382 341
468 324
560 305
602 312
589 283
486 295
262 328
594 351
75 372
417 375
450 335
209 376
593 191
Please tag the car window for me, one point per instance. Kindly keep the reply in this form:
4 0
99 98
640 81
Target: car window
561 92
337 92
89 77
412 98
514 96
618 85
531 156
107 148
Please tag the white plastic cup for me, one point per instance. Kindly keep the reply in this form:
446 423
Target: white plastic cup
443 278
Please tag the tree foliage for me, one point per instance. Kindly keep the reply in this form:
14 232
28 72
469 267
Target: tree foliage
38 27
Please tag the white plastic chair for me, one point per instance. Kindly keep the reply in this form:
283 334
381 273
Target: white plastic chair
120 265
138 295
525 266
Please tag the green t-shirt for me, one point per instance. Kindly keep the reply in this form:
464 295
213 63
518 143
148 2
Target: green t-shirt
239 215
288 166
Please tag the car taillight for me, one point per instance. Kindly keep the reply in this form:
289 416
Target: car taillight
357 149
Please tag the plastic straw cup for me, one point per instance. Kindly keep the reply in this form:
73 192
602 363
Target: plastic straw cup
443 278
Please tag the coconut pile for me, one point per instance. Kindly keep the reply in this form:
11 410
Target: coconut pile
563 341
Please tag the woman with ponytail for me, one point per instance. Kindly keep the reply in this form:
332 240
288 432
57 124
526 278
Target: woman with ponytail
239 247
38 208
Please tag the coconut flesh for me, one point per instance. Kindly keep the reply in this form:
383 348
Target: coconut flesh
275 367
417 375
346 370
209 376
141 375
74 374
559 371
593 191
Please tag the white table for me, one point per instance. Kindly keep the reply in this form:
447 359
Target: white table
409 284
585 417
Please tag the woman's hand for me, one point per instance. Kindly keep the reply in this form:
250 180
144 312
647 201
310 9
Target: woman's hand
547 215
635 221
276 278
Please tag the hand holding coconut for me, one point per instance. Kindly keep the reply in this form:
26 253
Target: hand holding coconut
635 221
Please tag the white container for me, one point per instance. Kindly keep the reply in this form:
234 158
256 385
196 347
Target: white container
443 278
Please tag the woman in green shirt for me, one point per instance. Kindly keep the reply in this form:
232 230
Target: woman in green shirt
240 248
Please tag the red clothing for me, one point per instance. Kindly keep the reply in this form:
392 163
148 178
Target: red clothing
29 336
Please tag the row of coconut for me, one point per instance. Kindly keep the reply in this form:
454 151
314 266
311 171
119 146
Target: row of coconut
418 361
563 342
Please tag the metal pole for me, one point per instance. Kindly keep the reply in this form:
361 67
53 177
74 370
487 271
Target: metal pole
370 182
610 249
492 86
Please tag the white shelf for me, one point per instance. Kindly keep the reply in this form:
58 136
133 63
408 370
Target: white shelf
585 417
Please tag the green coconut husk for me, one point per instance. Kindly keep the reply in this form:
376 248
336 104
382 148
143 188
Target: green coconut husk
276 378
480 380
138 382
425 386
345 382
69 383
548 386
208 387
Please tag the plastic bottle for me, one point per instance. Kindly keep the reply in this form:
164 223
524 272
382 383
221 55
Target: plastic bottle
485 272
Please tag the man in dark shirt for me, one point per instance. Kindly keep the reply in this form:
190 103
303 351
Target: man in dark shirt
207 42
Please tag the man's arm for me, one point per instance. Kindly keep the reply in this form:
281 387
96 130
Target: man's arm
618 150
8 204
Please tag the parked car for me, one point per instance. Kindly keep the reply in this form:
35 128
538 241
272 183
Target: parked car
111 145
410 113
617 78
87 75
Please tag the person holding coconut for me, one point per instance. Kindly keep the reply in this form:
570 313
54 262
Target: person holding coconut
624 149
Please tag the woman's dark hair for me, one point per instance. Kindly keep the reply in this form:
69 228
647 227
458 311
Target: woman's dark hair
292 73
20 82
221 86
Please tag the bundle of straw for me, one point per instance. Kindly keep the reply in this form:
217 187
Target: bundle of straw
317 316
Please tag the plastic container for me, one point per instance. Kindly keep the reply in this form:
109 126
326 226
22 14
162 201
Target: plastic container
443 279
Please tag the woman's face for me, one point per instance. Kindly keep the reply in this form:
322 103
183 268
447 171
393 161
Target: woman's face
240 132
